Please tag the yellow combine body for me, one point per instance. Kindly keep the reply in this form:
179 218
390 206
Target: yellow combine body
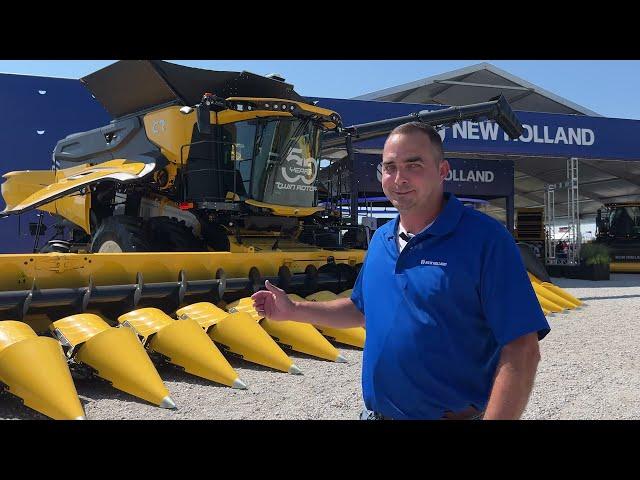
34 282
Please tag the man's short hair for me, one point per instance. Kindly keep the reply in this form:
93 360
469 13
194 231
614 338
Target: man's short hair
428 130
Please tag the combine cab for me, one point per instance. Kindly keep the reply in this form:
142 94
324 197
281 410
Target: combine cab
204 185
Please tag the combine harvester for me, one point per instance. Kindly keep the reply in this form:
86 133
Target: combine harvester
618 228
201 188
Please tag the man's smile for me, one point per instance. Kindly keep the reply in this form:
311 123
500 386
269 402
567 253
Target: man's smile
403 193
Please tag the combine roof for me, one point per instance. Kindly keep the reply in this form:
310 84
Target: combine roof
130 86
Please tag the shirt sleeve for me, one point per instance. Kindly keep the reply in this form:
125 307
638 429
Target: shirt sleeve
508 300
357 295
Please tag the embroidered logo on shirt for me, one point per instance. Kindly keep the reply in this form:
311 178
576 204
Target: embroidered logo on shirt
431 262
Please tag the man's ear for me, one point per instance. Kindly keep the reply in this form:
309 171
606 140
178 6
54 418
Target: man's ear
444 169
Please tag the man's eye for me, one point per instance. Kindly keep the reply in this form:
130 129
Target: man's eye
389 168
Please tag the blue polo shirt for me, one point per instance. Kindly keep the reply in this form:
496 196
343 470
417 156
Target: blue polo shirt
438 313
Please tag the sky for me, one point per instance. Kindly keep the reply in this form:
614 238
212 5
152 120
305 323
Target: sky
608 87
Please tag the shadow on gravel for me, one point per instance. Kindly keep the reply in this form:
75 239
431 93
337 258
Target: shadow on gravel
237 362
609 298
617 280
171 373
12 408
344 346
294 354
98 389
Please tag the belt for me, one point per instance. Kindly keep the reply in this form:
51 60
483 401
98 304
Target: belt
470 413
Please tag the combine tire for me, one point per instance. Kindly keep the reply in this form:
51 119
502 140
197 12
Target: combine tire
169 235
322 239
120 233
216 237
355 238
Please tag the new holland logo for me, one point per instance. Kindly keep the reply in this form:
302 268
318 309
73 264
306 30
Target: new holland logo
431 262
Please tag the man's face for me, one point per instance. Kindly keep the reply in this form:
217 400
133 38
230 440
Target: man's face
411 176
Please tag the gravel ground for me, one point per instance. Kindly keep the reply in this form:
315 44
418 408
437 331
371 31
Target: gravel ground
589 370
590 366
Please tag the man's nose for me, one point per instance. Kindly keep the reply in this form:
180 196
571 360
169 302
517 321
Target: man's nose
400 177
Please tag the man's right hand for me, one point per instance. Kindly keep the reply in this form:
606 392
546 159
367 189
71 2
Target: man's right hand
273 303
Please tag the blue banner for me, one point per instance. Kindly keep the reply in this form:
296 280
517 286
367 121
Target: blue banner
545 134
36 112
467 178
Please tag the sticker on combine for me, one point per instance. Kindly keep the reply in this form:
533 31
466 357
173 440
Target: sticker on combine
300 173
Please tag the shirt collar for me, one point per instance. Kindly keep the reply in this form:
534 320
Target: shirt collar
401 229
449 217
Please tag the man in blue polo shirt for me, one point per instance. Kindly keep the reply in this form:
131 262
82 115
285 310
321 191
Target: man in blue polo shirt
452 320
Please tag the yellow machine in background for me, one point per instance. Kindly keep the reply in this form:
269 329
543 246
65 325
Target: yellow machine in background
618 228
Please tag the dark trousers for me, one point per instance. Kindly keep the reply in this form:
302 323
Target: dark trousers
470 413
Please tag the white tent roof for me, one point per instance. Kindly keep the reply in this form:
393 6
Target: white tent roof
478 83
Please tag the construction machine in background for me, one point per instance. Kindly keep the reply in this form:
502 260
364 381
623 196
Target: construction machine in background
204 185
618 227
